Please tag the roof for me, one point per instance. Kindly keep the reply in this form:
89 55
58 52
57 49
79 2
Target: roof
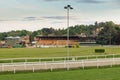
10 37
91 37
57 36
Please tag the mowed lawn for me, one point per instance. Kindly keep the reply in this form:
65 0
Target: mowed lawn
88 74
53 52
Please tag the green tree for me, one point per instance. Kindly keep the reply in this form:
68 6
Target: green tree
105 37
3 35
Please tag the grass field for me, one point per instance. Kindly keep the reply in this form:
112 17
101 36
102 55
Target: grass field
89 74
53 52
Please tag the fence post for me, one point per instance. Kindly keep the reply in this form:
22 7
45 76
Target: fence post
53 60
45 65
75 58
87 57
97 63
83 66
26 60
14 69
96 57
51 68
105 56
33 68
113 61
64 64
39 60
3 67
11 60
68 66
113 55
24 66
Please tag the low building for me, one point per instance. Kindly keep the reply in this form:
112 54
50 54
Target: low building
12 40
16 41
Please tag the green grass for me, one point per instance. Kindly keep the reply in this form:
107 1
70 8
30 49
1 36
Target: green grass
54 52
88 74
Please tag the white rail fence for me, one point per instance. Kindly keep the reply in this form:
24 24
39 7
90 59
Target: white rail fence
49 59
35 66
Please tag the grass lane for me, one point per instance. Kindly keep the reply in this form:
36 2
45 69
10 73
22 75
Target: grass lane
53 52
89 74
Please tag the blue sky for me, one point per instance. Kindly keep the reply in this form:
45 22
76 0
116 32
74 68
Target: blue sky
36 14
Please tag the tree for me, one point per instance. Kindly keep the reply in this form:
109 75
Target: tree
24 33
33 34
105 37
46 31
117 39
3 35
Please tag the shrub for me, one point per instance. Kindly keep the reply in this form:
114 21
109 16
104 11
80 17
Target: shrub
77 45
99 50
73 46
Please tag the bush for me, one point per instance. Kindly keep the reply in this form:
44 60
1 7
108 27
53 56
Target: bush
99 50
73 46
77 45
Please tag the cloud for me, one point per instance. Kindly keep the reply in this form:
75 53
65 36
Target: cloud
3 20
56 22
116 1
23 19
88 1
56 0
54 17
91 1
8 19
59 17
82 1
31 18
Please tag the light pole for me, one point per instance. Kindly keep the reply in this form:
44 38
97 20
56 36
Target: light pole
68 7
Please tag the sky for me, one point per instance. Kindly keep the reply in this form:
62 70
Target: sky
37 14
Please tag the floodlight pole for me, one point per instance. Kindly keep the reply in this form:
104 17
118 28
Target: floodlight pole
68 7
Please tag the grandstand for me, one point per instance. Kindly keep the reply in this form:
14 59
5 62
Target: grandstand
61 41
56 41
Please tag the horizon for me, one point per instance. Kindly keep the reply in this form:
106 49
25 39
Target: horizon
34 15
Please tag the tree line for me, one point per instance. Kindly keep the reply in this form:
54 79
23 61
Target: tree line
106 33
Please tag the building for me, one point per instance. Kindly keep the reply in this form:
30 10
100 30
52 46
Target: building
17 41
12 40
61 41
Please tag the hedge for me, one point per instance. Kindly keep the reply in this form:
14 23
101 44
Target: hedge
99 50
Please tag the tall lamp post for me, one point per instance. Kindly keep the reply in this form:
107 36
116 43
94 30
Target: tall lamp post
68 7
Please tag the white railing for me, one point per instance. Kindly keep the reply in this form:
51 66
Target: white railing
34 66
47 59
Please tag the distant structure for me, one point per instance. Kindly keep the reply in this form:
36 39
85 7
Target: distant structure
11 41
61 41
2 43
16 41
56 41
